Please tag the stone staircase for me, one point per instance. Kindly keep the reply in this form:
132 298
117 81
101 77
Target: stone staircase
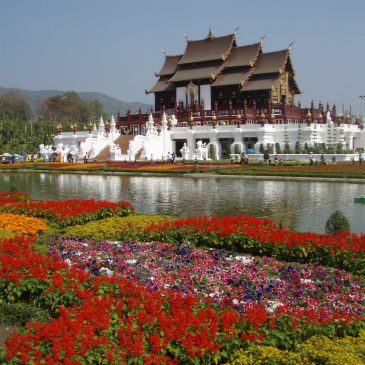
122 141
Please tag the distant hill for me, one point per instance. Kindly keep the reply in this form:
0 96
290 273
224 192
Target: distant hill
111 105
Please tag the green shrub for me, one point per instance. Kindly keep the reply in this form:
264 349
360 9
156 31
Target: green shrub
337 222
20 313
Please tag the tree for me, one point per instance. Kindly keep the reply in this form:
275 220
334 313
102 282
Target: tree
339 148
287 149
277 148
270 148
14 107
337 222
297 147
262 149
70 107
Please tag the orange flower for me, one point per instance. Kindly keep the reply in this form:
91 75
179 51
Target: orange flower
21 224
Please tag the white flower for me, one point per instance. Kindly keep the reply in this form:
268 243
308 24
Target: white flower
306 281
105 271
244 259
131 262
272 305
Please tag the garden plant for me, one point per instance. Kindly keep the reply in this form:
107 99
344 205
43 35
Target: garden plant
204 290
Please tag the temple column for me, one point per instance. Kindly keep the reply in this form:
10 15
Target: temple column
190 143
237 141
213 137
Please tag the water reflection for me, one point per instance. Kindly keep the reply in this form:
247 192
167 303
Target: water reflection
299 205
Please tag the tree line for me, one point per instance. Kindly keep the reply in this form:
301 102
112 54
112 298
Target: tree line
22 132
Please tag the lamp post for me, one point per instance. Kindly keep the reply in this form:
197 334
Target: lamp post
362 99
59 128
73 127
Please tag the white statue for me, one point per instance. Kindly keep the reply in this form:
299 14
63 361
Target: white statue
131 152
201 151
43 150
173 120
150 126
328 117
185 152
92 151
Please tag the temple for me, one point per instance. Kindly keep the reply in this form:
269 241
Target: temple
216 99
216 72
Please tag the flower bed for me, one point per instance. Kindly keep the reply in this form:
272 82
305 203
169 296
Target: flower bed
12 197
264 238
21 224
110 228
68 212
116 320
173 302
234 280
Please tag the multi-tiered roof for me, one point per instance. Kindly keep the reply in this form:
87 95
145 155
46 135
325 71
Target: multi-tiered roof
218 61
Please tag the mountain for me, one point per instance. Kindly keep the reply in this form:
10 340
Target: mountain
111 105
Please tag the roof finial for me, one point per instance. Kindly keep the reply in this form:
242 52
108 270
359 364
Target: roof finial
186 37
290 45
235 30
262 38
164 52
210 33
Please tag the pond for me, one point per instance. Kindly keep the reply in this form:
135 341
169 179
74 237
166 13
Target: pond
298 205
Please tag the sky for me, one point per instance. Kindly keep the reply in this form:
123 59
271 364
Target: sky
115 46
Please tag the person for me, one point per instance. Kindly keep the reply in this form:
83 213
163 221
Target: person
173 157
360 158
168 157
310 158
86 156
323 160
243 157
277 160
151 159
266 158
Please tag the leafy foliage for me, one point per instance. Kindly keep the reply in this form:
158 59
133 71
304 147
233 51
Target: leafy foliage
70 107
337 222
14 107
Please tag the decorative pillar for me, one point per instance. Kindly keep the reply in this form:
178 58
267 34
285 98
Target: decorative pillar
238 122
191 121
214 120
312 110
309 118
254 110
139 115
202 111
230 111
262 118
269 111
129 116
244 111
334 112
283 112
